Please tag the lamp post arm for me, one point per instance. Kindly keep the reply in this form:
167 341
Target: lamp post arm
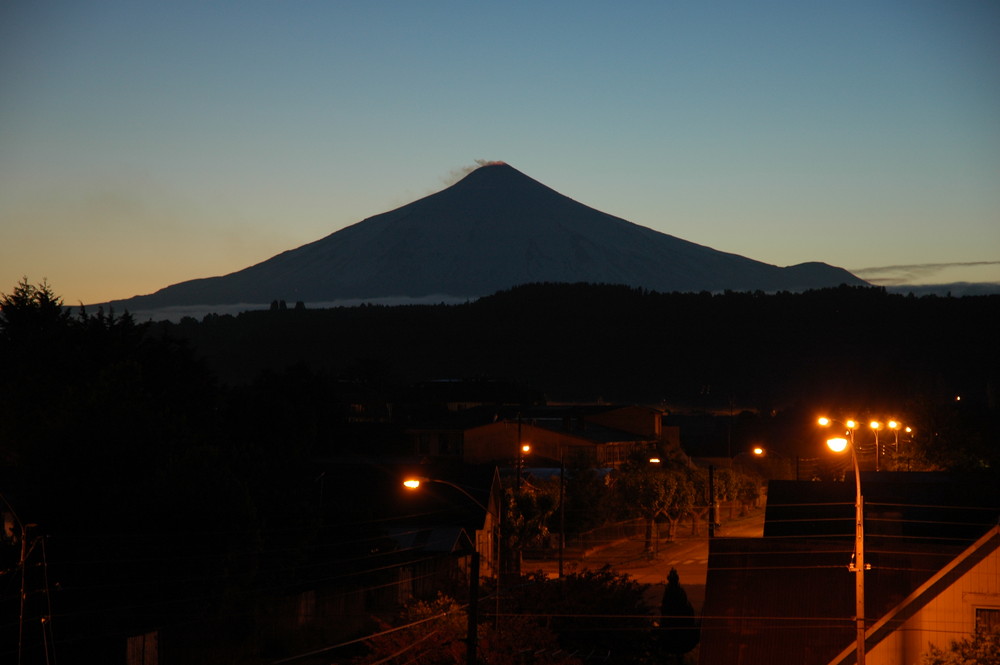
460 489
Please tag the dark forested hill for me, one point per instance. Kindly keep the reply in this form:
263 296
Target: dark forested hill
850 345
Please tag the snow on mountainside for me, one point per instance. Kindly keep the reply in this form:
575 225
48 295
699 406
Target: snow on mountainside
494 229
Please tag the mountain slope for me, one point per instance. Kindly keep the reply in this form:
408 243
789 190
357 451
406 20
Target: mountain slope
494 229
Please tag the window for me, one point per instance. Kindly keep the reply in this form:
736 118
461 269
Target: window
987 618
143 649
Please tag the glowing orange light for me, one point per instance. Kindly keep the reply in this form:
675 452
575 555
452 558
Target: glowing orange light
837 444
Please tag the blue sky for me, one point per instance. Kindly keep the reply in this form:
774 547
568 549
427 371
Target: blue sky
144 144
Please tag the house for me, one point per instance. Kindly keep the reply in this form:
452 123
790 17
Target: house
430 560
606 434
451 499
961 597
789 597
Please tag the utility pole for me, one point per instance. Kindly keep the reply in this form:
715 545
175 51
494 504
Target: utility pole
711 501
472 634
562 509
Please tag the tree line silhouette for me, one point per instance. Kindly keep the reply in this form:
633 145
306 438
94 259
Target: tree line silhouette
847 344
933 361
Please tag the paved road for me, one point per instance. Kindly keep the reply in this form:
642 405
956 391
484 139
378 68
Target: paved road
688 554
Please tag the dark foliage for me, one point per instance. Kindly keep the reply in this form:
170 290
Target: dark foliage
597 614
983 648
845 345
784 356
151 496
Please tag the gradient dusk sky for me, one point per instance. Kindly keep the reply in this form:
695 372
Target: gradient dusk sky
147 143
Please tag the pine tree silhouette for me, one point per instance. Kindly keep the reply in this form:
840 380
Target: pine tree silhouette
678 629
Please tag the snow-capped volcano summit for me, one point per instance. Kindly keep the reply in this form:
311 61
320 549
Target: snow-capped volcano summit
494 229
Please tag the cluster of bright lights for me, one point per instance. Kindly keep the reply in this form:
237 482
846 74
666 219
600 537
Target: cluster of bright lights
839 444
849 424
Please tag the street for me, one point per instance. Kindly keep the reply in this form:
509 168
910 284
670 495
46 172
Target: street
686 553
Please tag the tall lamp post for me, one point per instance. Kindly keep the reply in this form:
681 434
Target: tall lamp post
839 444
472 636
876 426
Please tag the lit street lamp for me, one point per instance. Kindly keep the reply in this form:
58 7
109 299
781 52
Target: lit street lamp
839 444
875 427
894 426
764 453
713 511
523 449
413 483
472 636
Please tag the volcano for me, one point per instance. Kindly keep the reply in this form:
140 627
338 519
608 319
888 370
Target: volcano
494 229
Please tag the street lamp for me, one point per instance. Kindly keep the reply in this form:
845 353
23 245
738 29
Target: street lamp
523 449
875 427
839 444
472 636
713 513
414 482
894 426
765 453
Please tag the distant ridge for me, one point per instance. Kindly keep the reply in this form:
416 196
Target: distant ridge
494 229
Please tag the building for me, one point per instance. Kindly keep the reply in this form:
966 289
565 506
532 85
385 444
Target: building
789 597
959 599
607 435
